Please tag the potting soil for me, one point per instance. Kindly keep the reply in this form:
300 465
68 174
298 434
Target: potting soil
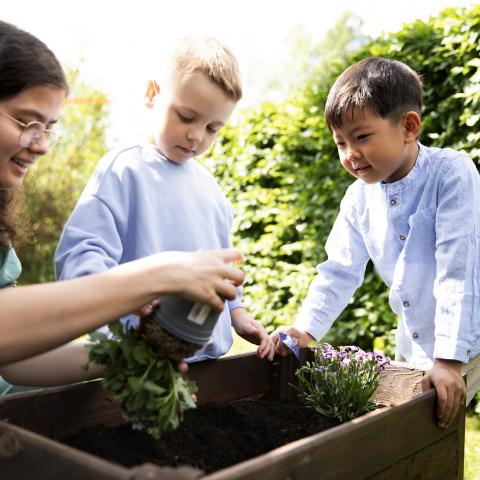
210 438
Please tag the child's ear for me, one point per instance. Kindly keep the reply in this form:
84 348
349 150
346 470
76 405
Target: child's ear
153 89
411 126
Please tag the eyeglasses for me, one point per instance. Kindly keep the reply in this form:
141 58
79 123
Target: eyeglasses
32 131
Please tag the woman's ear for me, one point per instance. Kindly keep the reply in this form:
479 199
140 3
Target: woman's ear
411 126
153 89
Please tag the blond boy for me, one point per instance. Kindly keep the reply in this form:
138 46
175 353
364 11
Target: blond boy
152 195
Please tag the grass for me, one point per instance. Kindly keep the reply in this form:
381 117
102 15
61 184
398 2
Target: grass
472 448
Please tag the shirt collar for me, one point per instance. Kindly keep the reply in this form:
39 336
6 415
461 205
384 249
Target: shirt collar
411 176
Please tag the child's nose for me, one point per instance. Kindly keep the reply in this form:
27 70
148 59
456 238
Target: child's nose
352 155
195 134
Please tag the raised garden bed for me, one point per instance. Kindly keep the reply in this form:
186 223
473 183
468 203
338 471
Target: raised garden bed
395 442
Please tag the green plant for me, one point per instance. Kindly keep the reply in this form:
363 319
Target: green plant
152 392
339 383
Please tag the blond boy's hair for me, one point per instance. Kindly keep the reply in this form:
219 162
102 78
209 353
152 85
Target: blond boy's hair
208 55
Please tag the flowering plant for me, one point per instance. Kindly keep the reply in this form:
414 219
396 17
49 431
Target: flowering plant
339 383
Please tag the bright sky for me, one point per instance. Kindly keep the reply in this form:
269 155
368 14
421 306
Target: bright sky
121 42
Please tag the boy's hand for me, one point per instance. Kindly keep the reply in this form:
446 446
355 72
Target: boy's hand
303 337
147 309
254 332
446 378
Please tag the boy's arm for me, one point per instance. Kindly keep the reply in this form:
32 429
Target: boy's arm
336 280
237 301
458 262
90 241
252 331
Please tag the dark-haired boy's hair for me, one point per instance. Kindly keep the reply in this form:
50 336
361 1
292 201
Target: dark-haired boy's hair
387 88
25 61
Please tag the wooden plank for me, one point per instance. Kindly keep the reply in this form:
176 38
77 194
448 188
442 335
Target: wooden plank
356 449
25 455
284 379
29 455
61 411
398 383
437 461
231 378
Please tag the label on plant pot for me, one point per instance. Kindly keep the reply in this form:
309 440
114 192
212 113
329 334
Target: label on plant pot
291 343
199 313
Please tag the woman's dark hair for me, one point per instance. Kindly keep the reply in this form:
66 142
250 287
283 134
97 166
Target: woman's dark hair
387 88
25 61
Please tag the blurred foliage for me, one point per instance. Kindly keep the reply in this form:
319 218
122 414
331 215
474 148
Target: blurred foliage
279 165
55 182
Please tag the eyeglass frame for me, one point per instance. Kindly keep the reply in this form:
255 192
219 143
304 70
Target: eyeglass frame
44 132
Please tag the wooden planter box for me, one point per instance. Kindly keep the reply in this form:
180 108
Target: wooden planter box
400 441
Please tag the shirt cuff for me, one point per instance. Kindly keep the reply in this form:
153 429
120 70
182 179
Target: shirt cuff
447 348
233 304
317 331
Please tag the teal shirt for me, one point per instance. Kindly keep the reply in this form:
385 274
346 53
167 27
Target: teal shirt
10 270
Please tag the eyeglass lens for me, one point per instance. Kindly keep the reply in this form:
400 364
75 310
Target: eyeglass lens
31 134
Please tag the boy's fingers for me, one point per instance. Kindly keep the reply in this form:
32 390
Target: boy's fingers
458 401
182 367
442 408
282 350
271 352
426 383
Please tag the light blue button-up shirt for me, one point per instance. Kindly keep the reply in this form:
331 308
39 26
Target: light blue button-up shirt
422 234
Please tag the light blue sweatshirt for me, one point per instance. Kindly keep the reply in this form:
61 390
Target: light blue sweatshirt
423 235
138 203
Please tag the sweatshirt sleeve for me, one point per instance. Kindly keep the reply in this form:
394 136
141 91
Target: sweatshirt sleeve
339 276
93 237
90 242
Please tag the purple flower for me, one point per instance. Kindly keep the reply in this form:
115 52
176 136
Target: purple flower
329 354
350 348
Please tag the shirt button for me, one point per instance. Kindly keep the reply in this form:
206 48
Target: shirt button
402 237
415 335
406 304
393 202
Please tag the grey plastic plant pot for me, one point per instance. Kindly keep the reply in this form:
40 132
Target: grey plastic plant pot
190 321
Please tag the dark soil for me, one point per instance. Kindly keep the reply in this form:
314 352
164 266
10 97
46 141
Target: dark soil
211 437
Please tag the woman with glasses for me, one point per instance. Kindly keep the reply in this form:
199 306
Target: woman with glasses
36 319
